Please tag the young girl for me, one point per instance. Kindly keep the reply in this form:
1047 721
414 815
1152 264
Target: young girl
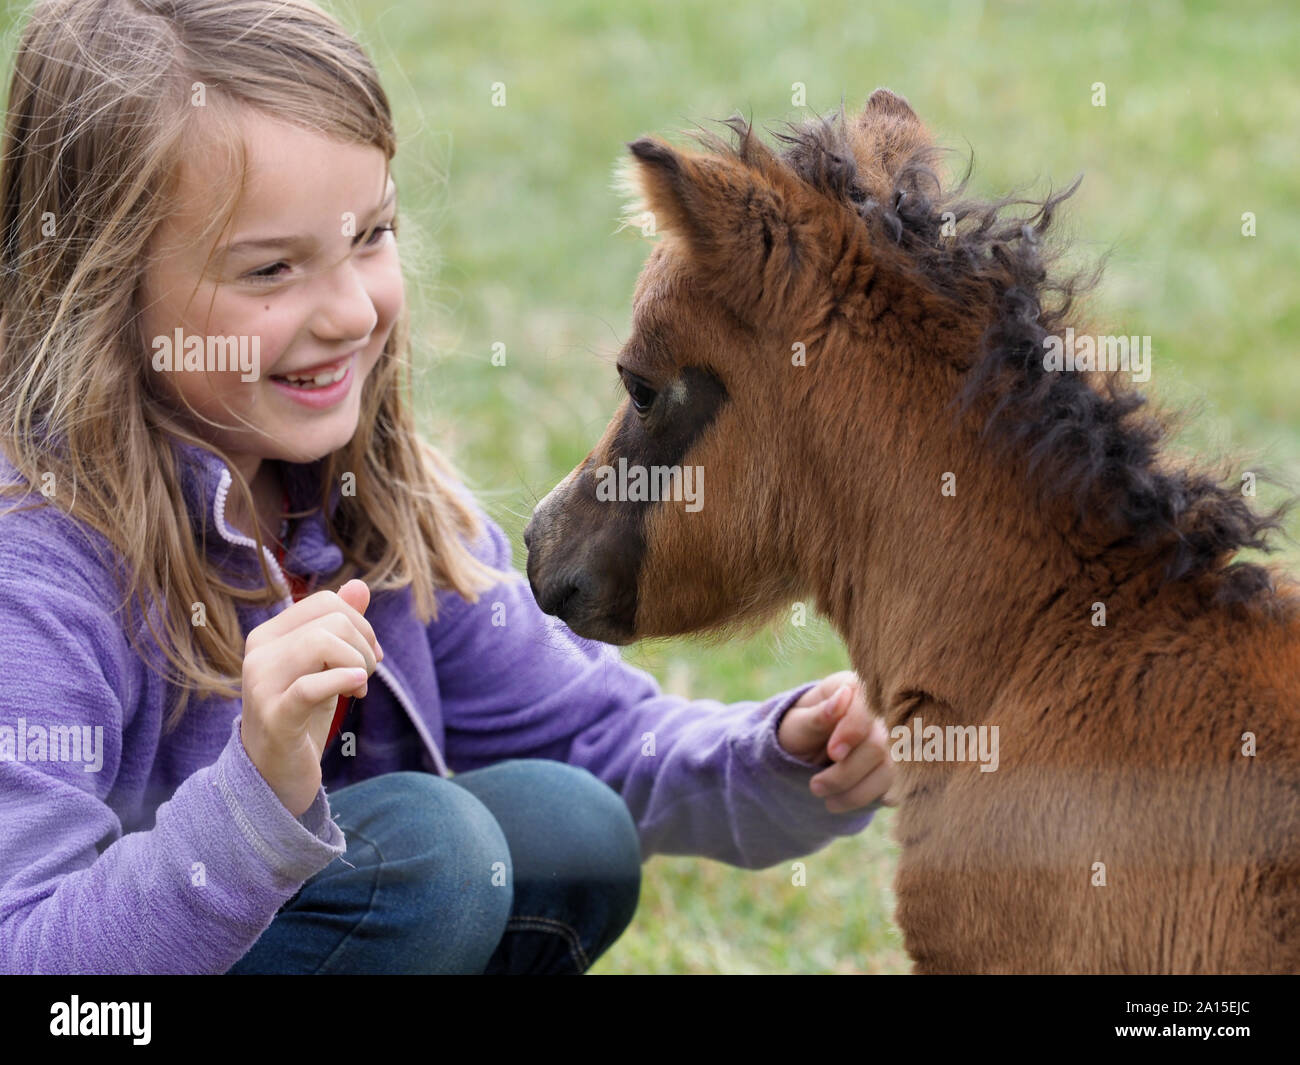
222 527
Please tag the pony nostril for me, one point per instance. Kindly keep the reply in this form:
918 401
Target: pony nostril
566 595
555 598
528 534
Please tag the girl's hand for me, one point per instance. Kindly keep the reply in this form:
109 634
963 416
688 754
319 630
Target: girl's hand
295 668
831 721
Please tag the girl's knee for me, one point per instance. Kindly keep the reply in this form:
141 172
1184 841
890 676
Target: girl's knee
410 813
563 808
443 865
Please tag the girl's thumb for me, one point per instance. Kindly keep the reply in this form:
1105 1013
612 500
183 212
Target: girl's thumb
356 593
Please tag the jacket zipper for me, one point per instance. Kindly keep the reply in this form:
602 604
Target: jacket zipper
420 727
219 511
286 601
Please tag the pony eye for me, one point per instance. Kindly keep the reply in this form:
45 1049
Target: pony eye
640 391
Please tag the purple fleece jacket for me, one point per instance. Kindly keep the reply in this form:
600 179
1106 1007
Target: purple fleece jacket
172 854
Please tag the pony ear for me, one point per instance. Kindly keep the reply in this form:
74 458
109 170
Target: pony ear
668 183
731 215
886 133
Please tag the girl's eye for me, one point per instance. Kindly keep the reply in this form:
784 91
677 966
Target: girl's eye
261 274
377 234
264 273
640 391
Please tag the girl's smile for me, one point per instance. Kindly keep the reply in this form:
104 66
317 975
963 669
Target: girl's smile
319 387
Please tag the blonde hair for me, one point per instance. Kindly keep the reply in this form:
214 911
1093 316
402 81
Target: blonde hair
99 116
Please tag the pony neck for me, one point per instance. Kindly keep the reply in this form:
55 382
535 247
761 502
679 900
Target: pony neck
940 596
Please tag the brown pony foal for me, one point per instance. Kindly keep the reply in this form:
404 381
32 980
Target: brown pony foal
857 358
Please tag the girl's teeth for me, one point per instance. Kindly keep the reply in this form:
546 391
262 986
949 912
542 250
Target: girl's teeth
320 380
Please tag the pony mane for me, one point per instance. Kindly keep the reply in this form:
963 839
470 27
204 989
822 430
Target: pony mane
1094 443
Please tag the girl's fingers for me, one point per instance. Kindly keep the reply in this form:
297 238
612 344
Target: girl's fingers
317 605
845 774
865 792
319 652
824 720
837 703
343 628
805 729
312 689
827 686
853 729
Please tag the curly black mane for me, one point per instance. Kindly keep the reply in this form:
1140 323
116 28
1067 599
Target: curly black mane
1095 444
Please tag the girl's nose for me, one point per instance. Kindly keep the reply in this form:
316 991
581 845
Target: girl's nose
347 310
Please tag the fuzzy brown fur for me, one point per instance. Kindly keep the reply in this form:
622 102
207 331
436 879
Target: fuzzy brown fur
1127 828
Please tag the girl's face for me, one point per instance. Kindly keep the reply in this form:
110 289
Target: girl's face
295 277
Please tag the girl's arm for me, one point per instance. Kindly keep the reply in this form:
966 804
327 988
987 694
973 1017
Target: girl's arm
699 776
190 894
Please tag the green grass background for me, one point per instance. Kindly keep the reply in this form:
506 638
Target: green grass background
508 226
1201 123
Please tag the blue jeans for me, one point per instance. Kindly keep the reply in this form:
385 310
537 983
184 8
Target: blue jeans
525 866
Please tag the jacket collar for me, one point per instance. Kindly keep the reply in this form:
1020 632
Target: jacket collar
205 483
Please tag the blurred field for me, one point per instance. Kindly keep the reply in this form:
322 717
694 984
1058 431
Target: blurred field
512 207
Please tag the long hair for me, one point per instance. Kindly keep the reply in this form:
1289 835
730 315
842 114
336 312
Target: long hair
100 114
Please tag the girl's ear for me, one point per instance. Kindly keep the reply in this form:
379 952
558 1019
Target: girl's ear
733 218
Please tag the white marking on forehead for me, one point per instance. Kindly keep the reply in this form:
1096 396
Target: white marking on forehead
676 392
